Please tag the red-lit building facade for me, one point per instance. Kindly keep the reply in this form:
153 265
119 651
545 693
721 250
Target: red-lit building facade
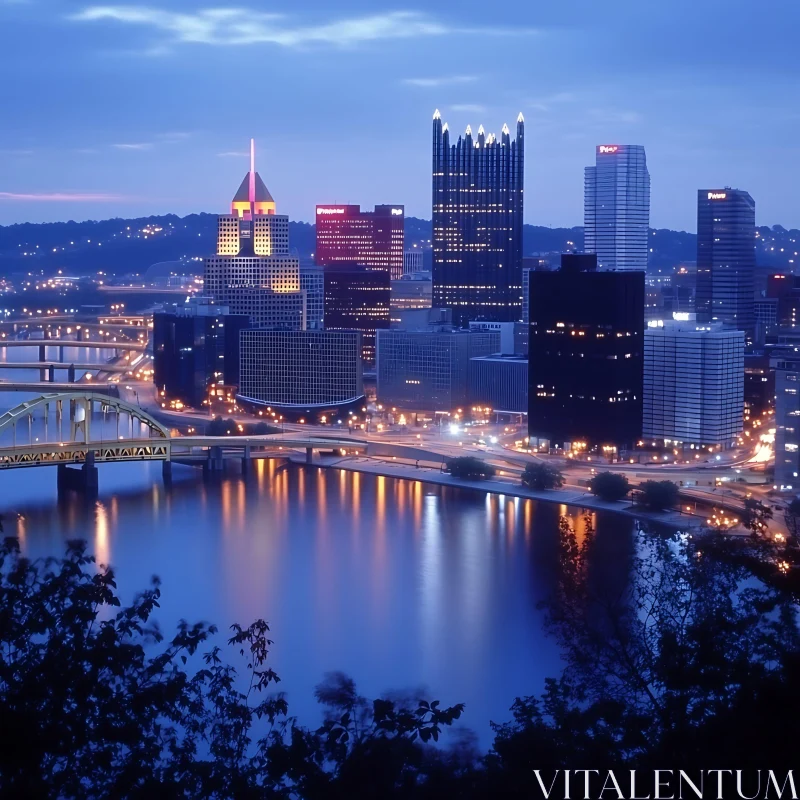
373 239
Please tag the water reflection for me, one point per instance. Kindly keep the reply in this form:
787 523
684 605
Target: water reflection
398 583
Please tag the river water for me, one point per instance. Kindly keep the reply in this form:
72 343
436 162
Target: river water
397 583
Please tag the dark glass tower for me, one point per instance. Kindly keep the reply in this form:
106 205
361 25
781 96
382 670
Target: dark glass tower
477 223
726 259
585 356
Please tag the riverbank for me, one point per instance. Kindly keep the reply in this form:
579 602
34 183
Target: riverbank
570 496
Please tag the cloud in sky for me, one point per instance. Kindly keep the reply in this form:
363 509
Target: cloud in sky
62 197
434 83
133 146
234 154
242 26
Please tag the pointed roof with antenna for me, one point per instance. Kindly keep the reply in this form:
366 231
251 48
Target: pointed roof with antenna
252 197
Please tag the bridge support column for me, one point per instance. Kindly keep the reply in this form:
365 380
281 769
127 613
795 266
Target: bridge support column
215 461
51 374
79 479
42 352
71 373
309 455
246 459
61 353
166 471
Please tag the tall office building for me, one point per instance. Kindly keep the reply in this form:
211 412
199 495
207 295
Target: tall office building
477 223
312 284
693 383
616 210
787 418
194 348
726 258
357 299
585 357
252 272
346 234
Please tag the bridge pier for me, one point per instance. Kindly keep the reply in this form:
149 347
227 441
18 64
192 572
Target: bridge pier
246 457
51 374
42 352
166 471
215 462
79 479
61 353
71 373
309 455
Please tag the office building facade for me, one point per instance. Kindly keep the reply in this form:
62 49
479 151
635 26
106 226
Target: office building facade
346 234
499 382
357 299
414 290
252 272
726 259
477 223
585 354
302 371
413 261
312 285
429 370
693 383
616 215
787 420
194 348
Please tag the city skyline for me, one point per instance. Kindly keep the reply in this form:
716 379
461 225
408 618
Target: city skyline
135 136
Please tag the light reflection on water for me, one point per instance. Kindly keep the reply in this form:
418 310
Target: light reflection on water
397 583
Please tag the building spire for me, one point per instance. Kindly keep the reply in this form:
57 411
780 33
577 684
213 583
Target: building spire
481 131
252 192
520 118
436 114
506 130
469 130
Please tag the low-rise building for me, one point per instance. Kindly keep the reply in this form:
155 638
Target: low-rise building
303 371
429 370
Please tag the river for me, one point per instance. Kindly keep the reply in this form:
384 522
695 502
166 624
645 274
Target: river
395 582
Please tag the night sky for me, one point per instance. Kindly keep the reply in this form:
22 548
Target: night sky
130 110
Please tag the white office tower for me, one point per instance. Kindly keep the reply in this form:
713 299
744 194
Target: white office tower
252 272
616 212
693 383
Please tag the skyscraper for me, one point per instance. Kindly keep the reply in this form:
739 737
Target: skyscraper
616 210
252 272
372 238
585 356
357 299
726 259
477 223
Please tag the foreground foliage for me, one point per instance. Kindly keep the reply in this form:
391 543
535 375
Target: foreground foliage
676 658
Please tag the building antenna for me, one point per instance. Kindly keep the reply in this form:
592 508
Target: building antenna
252 177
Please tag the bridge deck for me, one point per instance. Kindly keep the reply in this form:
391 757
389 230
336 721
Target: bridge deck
138 347
64 365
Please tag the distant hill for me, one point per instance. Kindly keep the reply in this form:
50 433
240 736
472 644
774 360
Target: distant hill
125 246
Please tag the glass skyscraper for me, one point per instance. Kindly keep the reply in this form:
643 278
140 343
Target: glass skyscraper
726 259
477 223
616 210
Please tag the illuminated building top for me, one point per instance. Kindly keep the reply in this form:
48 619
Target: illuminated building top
253 197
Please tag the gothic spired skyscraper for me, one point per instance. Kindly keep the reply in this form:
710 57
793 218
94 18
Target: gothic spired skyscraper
477 223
